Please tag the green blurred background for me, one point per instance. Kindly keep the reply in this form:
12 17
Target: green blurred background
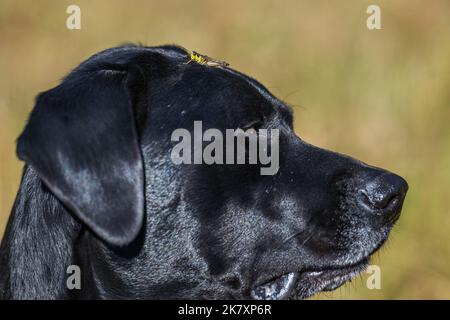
382 96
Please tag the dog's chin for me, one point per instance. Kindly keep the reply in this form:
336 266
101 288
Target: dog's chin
303 284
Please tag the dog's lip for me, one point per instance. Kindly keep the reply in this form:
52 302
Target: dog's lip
282 287
332 278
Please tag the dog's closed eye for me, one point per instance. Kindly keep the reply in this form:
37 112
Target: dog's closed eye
252 127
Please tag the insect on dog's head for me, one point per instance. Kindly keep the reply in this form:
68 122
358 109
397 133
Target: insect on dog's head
102 142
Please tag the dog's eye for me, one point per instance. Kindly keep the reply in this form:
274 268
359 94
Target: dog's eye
251 127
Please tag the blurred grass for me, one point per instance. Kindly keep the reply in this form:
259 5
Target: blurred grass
382 96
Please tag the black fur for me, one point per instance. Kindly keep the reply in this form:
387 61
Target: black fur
99 190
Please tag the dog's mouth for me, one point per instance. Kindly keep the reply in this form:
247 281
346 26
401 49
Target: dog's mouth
301 285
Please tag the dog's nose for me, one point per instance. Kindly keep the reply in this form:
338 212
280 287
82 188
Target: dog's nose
384 194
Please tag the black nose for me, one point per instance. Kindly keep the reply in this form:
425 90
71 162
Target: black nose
384 194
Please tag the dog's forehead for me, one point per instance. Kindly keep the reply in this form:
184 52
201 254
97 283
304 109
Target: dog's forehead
284 110
236 86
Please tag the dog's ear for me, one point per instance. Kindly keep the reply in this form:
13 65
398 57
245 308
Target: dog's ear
82 141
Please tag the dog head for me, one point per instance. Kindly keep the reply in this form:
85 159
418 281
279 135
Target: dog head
102 142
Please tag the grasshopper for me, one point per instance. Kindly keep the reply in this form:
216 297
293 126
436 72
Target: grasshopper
205 60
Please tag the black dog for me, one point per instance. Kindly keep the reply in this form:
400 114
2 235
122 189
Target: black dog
100 191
